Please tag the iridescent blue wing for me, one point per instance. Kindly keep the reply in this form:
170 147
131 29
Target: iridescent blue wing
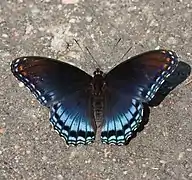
72 117
122 116
128 86
60 86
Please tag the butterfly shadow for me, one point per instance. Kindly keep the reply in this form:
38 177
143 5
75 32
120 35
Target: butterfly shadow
180 74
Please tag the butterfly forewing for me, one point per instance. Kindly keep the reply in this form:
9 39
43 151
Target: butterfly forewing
48 79
142 75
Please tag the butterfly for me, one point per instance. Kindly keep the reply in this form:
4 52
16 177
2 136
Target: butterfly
80 103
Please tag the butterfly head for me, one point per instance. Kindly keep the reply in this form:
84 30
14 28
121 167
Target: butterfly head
98 82
98 72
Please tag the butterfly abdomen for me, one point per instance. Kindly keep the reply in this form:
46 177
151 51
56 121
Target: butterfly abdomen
98 110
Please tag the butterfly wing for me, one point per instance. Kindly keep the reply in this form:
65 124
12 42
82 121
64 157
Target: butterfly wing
128 86
48 79
63 88
122 116
71 119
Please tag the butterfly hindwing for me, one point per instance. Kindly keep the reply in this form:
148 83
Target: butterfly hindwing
72 119
132 83
122 117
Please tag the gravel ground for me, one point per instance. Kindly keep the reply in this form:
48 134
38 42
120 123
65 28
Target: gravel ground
29 149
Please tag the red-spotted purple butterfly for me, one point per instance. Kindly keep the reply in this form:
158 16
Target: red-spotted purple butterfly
78 101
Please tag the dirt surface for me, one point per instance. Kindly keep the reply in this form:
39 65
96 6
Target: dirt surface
29 149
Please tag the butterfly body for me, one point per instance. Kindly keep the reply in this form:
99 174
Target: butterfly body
98 93
80 104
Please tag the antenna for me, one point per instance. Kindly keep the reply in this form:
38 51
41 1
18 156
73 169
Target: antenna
89 54
114 46
125 53
78 44
93 57
116 43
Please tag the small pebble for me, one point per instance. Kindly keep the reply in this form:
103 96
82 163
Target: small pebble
5 36
125 172
89 19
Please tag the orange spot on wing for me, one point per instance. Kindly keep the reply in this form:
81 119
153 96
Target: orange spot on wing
21 70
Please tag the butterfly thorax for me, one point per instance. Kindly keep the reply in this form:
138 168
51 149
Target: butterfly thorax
98 88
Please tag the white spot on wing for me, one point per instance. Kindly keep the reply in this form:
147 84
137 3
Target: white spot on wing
65 132
17 61
133 124
137 116
33 86
169 68
71 138
79 138
158 79
38 92
112 138
173 57
59 126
